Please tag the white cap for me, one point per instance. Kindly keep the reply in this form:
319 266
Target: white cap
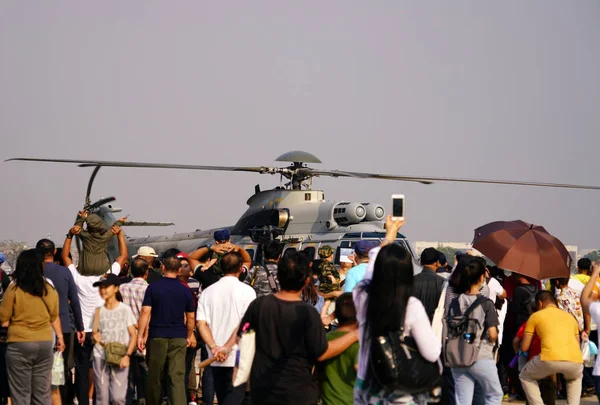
345 259
145 251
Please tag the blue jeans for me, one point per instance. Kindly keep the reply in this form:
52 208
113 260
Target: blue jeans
484 373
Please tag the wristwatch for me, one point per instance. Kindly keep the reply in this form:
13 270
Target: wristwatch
69 236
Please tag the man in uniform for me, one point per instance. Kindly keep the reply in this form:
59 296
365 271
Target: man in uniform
329 277
264 279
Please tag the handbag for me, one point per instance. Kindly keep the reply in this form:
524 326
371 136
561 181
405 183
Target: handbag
244 356
114 353
397 364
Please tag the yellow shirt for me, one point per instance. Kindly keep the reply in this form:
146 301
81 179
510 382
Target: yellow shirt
558 332
29 316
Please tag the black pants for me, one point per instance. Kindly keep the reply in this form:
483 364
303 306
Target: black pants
4 391
448 388
208 385
138 377
83 364
67 391
226 393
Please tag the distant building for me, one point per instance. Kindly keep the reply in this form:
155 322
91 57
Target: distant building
422 245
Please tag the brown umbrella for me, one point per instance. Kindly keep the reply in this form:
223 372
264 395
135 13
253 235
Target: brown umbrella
523 248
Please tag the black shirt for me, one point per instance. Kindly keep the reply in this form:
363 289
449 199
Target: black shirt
289 339
428 288
522 302
206 277
153 275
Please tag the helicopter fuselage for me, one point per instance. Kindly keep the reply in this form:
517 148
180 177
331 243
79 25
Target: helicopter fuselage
303 219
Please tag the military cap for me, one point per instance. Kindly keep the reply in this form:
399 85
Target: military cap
325 251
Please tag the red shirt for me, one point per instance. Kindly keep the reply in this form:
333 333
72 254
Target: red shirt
536 345
193 295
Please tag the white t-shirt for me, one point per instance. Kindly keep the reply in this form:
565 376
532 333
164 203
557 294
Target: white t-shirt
89 297
113 326
495 289
222 306
416 323
595 313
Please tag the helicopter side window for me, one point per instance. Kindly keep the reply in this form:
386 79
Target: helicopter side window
251 253
290 250
307 196
310 251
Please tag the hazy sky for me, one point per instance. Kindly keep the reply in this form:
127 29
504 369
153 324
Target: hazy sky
499 90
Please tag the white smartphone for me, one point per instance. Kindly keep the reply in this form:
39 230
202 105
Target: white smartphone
398 206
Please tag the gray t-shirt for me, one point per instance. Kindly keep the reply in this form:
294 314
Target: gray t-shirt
113 326
487 316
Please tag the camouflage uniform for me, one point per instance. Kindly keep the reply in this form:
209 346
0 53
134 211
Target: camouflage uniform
326 271
261 283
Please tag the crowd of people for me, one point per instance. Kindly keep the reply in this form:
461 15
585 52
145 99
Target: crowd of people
135 331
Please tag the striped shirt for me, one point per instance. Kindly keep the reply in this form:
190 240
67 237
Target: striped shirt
133 295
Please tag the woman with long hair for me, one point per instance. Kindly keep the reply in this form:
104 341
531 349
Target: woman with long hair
30 305
382 299
483 372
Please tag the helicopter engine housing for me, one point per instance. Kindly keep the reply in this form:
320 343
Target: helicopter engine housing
349 213
375 212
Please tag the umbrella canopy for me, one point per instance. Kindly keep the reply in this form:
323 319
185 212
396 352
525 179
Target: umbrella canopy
523 248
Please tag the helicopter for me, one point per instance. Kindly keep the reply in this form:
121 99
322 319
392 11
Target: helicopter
293 212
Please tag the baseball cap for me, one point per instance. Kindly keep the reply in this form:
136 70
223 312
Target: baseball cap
325 251
430 256
182 256
2 258
222 235
362 247
443 260
145 251
110 279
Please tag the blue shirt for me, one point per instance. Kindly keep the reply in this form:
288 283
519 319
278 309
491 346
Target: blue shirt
170 300
65 286
355 275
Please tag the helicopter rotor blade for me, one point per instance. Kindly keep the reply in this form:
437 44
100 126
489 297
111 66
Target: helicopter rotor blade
142 165
431 180
306 173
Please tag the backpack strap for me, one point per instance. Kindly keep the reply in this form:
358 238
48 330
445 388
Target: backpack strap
270 277
478 301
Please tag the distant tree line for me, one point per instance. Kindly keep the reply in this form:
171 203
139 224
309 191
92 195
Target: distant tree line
593 256
11 250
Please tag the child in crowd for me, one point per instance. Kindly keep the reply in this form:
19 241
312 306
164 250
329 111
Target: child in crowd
115 335
339 373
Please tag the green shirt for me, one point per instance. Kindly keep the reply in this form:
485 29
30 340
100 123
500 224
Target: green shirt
340 375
